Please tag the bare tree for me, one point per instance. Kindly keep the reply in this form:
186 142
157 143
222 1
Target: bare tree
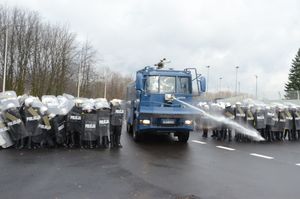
46 59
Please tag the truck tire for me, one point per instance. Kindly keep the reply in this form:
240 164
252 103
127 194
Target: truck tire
135 134
183 137
129 128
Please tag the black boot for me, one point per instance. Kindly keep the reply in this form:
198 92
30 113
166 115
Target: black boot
105 142
229 136
204 135
112 141
118 141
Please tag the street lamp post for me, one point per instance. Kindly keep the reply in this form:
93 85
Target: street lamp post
220 78
207 78
103 78
256 86
104 87
79 77
5 61
236 79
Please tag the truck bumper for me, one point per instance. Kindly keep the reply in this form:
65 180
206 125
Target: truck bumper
164 129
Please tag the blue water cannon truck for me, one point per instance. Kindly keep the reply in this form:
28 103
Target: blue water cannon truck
151 104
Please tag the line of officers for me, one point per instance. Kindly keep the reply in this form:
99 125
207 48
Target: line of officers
274 123
60 121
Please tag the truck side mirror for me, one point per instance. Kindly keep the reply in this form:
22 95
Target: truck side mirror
202 84
139 82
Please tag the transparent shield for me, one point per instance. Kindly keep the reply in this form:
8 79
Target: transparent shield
65 105
52 104
101 103
7 103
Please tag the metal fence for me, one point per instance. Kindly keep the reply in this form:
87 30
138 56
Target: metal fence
292 95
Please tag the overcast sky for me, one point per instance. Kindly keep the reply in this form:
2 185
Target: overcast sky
261 37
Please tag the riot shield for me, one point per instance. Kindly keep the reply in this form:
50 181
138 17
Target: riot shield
58 109
31 117
296 116
5 140
259 119
239 115
10 109
275 119
281 121
116 121
74 126
43 135
289 123
89 134
103 124
249 119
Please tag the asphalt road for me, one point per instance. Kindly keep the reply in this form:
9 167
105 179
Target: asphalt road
157 168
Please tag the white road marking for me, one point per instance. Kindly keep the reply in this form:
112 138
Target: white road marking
262 156
298 164
199 142
226 148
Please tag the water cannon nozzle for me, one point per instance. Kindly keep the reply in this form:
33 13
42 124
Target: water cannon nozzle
169 97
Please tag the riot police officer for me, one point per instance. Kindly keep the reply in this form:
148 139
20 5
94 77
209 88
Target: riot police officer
296 121
228 113
205 122
259 121
289 125
75 124
89 135
249 120
239 116
270 118
31 117
5 140
116 122
281 122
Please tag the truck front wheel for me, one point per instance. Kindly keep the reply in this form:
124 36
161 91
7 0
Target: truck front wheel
183 137
135 134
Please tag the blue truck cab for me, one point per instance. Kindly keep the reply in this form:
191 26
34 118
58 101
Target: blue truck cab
151 107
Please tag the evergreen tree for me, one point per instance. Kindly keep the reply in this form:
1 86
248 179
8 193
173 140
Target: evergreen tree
293 83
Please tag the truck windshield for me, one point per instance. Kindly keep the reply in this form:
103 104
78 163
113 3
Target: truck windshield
167 84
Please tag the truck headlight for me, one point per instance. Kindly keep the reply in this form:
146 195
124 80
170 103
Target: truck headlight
145 122
188 122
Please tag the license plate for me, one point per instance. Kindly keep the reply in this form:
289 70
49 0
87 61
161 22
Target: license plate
168 121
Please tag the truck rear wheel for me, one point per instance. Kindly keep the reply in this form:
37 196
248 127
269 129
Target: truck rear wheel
135 134
183 137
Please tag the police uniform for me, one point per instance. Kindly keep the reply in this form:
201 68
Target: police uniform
289 125
240 119
296 120
74 126
116 121
281 123
229 114
249 120
259 122
270 118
